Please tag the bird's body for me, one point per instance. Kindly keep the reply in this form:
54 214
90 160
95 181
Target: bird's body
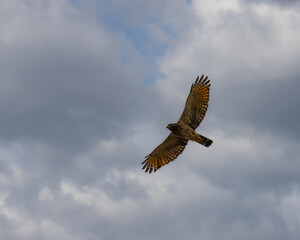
184 130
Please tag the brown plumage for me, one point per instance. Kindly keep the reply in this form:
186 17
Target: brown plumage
184 130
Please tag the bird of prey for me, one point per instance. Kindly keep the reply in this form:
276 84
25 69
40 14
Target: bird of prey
184 130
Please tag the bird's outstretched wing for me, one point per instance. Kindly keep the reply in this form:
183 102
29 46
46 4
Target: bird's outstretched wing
166 152
196 103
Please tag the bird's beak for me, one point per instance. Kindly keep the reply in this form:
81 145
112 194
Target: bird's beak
168 126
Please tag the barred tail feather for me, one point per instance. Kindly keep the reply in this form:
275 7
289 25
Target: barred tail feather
204 140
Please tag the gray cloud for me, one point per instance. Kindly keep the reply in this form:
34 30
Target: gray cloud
77 120
59 84
267 106
287 3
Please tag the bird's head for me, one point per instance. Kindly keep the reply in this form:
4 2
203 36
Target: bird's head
172 127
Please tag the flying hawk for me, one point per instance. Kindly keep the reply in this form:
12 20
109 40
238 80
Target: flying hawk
184 130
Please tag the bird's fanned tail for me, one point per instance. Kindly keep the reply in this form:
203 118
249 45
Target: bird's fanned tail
204 140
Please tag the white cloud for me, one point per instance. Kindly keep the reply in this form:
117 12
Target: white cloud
96 198
3 197
239 40
290 209
52 230
18 173
3 179
24 226
215 8
45 194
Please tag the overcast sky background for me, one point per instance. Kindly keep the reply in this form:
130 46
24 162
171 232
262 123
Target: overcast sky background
87 88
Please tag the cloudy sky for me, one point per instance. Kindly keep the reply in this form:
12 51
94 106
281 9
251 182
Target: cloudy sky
87 88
